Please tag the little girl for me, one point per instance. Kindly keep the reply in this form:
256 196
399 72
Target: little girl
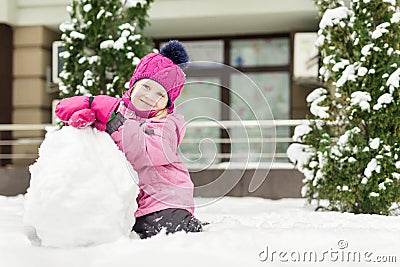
145 127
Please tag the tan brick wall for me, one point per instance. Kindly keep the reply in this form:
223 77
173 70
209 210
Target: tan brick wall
31 100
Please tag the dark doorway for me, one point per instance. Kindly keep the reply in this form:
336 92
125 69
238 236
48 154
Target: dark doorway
6 51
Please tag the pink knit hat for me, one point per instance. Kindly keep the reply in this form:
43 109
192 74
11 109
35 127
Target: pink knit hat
163 68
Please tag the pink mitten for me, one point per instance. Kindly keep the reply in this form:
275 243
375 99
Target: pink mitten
82 118
68 106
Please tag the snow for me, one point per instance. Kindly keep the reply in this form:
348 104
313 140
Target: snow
87 7
101 12
77 35
300 131
334 16
299 154
80 192
315 97
372 166
396 17
383 99
394 79
361 98
362 71
347 75
107 44
380 30
133 3
365 50
374 143
242 232
397 164
340 65
120 43
392 2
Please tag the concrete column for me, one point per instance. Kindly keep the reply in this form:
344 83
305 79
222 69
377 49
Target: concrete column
31 100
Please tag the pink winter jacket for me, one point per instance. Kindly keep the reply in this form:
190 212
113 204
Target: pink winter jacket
150 146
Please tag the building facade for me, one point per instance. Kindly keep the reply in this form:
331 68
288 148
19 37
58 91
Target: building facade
256 37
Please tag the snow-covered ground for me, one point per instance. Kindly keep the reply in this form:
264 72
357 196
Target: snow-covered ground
242 232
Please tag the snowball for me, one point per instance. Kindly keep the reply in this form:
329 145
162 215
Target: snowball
373 194
364 180
397 164
82 190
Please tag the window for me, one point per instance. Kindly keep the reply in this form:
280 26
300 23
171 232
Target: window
256 72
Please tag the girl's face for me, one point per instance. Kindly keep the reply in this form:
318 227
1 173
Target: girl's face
149 95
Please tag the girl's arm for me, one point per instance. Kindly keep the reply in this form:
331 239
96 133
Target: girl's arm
152 143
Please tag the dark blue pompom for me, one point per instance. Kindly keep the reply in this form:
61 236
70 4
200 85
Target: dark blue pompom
175 51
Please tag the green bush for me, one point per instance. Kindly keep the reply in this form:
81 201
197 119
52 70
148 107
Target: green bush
103 43
350 150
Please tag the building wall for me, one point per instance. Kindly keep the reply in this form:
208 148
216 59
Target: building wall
31 100
35 26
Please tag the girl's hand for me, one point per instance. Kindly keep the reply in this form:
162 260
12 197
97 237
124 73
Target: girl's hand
82 118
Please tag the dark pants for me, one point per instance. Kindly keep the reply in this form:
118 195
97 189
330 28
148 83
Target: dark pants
172 220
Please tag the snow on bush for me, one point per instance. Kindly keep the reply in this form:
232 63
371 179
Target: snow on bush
353 143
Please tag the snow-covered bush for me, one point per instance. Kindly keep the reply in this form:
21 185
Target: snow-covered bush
103 43
350 151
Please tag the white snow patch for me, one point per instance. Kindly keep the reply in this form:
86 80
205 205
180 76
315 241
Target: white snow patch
334 16
77 35
383 99
361 99
373 165
300 131
380 30
365 50
347 75
374 143
107 44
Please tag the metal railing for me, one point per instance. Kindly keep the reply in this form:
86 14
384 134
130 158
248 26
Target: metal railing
220 159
